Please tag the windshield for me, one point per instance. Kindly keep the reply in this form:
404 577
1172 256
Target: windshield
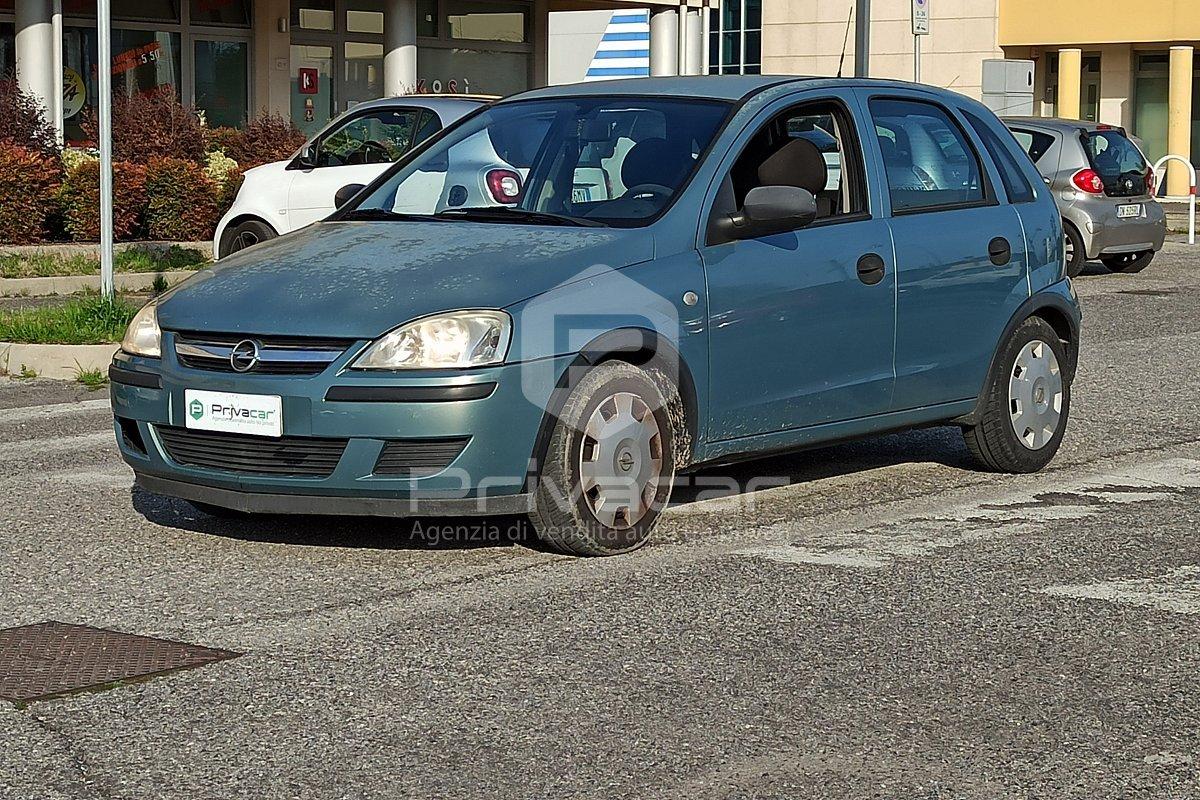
1118 162
574 161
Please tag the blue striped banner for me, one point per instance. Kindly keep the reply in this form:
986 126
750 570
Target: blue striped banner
635 72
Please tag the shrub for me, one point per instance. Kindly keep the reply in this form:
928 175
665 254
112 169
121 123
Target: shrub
74 156
23 121
224 140
80 199
265 139
182 201
151 125
227 193
28 184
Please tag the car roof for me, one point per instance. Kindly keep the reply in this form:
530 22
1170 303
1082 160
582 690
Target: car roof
1059 124
457 103
710 87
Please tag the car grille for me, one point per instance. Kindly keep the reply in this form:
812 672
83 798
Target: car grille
417 458
291 455
277 355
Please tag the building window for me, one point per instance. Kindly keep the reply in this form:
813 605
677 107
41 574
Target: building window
1151 100
8 55
220 12
486 21
735 41
313 15
222 73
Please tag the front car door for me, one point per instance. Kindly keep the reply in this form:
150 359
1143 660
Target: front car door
801 324
960 249
357 151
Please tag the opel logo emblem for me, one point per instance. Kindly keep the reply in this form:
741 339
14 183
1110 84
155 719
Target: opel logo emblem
244 356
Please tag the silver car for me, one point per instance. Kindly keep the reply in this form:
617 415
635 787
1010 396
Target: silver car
1103 186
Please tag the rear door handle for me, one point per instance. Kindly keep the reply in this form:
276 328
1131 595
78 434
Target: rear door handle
999 251
871 269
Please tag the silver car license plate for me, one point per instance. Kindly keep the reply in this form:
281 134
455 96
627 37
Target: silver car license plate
1131 211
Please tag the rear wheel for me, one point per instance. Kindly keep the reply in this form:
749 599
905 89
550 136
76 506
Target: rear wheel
245 234
1026 403
1128 262
1075 250
610 463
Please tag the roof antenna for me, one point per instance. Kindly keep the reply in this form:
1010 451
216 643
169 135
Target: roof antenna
845 40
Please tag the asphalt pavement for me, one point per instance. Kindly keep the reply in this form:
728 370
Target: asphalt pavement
890 623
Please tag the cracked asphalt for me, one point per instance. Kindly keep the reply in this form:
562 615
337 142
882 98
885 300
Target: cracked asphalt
890 624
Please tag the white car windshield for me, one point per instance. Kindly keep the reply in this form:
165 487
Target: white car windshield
577 161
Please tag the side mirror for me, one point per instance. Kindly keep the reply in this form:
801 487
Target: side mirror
307 157
769 210
344 194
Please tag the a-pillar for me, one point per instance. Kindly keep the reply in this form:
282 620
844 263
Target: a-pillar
664 41
1179 119
1070 68
399 47
35 52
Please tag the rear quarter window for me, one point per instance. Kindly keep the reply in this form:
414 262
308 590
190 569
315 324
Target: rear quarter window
1033 143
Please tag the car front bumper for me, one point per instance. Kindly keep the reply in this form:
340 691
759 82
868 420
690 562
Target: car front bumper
499 421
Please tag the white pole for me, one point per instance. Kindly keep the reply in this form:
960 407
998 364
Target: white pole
917 59
862 39
57 103
104 70
681 45
705 37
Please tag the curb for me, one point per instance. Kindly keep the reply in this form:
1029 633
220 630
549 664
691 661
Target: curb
61 361
70 284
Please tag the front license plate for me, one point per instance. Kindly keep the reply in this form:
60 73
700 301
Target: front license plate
227 412
1130 211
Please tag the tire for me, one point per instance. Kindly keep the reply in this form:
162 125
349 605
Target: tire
245 234
1128 263
1076 251
1011 402
565 514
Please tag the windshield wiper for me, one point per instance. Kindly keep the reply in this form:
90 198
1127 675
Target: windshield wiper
375 214
509 214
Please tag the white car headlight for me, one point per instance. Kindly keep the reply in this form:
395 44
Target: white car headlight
142 337
456 339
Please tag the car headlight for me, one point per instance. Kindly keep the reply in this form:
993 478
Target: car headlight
143 337
443 341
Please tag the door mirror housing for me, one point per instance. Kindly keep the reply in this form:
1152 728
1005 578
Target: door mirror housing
307 158
344 194
769 210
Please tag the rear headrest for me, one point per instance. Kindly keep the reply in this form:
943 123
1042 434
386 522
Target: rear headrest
656 161
798 163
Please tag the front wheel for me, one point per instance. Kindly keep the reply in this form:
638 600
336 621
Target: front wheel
245 234
1026 403
1128 263
610 463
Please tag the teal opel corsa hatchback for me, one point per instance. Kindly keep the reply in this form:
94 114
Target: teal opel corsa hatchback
572 294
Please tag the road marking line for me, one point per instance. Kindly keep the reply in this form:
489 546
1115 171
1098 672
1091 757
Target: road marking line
28 449
1015 514
27 413
1177 591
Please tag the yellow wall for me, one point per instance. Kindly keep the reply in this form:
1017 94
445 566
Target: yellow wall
1051 22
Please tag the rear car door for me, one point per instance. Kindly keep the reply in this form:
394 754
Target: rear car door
959 247
357 151
801 324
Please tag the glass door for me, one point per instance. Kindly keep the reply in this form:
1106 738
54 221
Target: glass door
222 70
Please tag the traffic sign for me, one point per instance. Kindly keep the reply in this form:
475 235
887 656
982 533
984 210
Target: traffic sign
920 17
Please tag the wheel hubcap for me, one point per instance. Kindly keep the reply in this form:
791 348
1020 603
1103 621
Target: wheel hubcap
244 239
621 461
1035 395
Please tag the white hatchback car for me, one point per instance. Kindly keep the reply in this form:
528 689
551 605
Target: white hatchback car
356 147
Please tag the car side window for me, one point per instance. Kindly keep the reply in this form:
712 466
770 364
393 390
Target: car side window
1035 144
1016 186
377 137
928 160
811 146
429 125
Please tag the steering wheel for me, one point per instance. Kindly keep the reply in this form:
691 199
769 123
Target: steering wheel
653 189
370 148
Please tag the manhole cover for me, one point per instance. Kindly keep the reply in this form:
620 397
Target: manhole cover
54 658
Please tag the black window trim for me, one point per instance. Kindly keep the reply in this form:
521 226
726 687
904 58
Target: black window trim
854 142
973 118
989 192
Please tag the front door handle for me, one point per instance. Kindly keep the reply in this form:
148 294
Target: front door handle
999 251
871 269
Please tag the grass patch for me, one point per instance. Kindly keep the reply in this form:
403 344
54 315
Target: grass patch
93 379
133 259
89 320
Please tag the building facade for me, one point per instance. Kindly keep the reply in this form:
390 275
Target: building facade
309 60
1113 61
